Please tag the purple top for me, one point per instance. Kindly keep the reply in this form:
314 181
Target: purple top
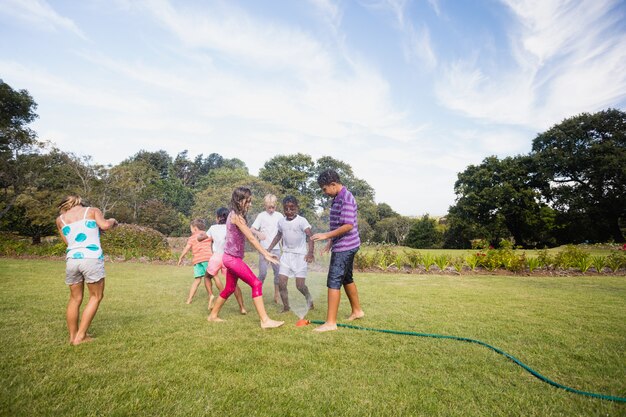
343 211
235 240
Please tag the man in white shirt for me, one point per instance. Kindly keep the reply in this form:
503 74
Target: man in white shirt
265 227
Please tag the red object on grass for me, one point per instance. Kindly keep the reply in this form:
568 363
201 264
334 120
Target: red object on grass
302 322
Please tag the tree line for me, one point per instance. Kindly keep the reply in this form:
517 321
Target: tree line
569 189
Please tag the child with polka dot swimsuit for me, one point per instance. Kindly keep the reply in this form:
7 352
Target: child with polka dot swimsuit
79 227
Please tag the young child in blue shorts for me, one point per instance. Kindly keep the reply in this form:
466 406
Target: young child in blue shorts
343 240
297 251
201 251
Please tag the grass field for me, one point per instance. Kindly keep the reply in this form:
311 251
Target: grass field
155 356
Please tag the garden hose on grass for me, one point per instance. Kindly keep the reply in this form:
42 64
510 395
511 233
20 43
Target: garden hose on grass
501 352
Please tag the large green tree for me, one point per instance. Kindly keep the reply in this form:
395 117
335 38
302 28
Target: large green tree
293 174
582 164
17 110
497 199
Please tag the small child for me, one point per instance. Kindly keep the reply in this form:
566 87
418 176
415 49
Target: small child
217 235
343 238
295 232
201 252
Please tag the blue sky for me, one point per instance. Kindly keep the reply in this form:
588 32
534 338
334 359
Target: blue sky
408 92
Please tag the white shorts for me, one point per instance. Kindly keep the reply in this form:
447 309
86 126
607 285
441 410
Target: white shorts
293 265
79 270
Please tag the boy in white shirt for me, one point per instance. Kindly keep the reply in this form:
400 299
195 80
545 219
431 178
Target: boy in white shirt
295 233
264 228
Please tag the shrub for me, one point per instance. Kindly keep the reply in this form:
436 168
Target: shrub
570 257
616 260
442 261
598 262
533 263
429 260
458 263
13 245
132 241
413 258
544 258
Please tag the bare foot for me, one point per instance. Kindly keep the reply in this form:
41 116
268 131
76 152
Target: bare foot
285 310
187 302
85 339
270 324
215 319
356 316
243 311
311 306
211 301
325 328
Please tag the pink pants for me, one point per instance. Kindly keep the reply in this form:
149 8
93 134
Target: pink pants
237 269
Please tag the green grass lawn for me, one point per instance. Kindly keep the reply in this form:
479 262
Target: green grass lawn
154 355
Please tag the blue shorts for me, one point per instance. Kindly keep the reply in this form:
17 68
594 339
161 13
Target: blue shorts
199 269
340 269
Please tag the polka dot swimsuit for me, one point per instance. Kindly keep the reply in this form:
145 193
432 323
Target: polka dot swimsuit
83 239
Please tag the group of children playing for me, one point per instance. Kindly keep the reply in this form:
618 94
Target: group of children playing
294 234
221 248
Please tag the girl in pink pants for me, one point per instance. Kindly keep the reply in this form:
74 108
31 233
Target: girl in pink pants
237 231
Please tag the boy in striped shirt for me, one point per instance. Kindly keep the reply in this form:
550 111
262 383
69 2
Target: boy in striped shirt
343 239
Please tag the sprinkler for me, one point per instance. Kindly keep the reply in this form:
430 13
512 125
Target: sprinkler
302 322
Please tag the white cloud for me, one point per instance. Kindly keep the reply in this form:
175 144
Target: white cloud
39 14
569 59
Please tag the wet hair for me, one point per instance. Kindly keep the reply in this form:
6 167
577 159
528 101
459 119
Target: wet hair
291 199
270 200
200 224
237 201
328 176
69 202
222 215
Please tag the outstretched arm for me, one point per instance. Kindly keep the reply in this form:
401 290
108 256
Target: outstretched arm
103 223
277 238
182 255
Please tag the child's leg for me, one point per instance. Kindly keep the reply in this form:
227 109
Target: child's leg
276 270
231 284
73 309
284 293
240 269
353 296
96 293
209 289
239 298
334 296
193 289
301 286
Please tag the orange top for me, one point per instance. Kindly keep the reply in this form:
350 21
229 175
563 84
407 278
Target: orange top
201 251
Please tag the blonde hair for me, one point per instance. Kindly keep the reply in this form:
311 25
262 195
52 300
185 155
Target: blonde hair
269 200
69 202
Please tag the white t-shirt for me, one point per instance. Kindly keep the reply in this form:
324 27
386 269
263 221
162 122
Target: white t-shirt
294 238
217 232
268 225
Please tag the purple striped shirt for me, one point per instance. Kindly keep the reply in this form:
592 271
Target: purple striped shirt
343 211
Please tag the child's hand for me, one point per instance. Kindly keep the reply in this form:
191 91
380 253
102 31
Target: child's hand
326 248
309 258
180 261
319 236
270 257
202 236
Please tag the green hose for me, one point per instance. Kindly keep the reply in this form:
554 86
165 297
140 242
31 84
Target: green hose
501 352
